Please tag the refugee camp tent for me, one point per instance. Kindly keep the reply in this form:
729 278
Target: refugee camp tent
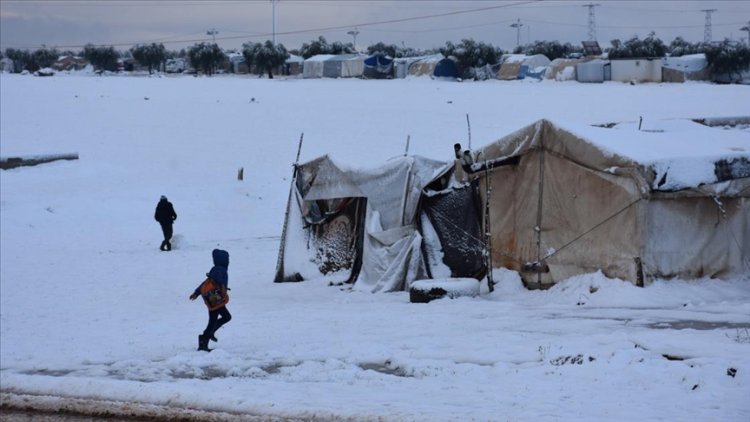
636 70
425 65
402 65
435 65
313 66
562 69
670 201
596 70
374 227
518 66
293 65
692 67
446 68
344 66
378 66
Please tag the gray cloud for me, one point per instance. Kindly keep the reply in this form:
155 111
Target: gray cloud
179 23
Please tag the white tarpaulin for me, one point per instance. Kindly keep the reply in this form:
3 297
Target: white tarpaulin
389 242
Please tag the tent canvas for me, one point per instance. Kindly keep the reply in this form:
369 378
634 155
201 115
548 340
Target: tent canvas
562 69
425 66
445 68
693 67
378 66
313 66
362 225
344 66
402 65
636 205
516 66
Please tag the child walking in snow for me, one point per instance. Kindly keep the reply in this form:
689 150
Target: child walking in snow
214 293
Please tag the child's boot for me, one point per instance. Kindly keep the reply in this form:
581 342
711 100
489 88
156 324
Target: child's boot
203 343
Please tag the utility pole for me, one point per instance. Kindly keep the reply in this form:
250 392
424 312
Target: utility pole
746 28
707 26
213 33
518 26
354 32
592 20
273 21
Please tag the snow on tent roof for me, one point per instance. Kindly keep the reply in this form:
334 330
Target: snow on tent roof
689 63
681 154
320 58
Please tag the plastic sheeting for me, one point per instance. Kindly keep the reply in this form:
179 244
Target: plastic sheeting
389 243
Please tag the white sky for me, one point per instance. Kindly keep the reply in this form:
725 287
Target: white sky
69 24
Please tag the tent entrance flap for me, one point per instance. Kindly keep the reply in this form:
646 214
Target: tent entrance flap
332 230
336 235
455 216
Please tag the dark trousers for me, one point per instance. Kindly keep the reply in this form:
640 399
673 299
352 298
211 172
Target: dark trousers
166 229
214 322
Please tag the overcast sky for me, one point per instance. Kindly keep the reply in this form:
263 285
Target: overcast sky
423 24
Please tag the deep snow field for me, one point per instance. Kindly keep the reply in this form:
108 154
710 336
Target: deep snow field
93 315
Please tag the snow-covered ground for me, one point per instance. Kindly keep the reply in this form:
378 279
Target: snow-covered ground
92 312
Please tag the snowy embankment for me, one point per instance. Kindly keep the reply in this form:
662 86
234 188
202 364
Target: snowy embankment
91 312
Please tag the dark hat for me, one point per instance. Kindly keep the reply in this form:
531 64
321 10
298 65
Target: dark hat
163 198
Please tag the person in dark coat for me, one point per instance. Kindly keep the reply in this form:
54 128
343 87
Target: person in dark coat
217 317
166 216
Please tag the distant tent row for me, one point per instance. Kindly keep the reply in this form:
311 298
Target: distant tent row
563 202
512 67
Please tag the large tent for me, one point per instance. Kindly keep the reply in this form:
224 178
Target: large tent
344 66
692 67
518 66
313 66
378 66
435 65
375 226
562 69
672 200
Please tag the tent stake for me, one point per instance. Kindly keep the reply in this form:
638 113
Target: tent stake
280 260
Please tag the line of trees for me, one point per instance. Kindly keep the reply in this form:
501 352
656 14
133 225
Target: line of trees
321 46
265 57
150 55
31 61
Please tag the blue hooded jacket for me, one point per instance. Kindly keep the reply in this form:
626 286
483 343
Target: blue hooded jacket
219 271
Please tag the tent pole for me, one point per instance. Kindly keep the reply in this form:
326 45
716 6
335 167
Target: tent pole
280 259
487 230
404 198
538 227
